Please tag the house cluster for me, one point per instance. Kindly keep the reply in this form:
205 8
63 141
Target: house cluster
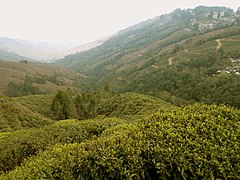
207 26
234 68
214 19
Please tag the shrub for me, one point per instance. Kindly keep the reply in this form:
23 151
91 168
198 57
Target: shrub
194 142
19 145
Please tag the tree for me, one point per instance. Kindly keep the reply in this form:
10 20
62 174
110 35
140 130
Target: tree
63 106
177 48
22 89
85 106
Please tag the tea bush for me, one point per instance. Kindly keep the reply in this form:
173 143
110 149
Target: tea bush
193 142
19 145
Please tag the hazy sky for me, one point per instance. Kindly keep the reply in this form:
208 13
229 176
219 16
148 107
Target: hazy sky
81 21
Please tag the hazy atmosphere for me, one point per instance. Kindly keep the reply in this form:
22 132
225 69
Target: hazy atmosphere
78 22
110 89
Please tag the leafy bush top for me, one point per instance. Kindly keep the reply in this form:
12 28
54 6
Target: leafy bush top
19 145
194 142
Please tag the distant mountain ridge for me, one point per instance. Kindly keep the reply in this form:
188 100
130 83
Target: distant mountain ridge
17 49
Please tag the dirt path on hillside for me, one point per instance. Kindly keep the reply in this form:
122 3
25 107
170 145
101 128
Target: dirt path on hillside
170 61
218 46
219 43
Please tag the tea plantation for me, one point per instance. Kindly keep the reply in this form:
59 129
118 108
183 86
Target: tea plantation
192 142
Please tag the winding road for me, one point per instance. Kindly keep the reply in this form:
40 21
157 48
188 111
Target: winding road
219 43
218 46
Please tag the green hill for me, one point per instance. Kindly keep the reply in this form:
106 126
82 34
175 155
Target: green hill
37 103
130 111
177 53
35 110
46 77
14 116
20 145
130 104
192 142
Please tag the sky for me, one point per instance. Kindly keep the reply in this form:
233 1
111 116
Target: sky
80 21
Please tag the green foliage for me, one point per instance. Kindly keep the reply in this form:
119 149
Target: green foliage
196 79
42 79
177 48
129 104
63 105
168 54
15 115
20 145
85 106
22 89
193 142
37 103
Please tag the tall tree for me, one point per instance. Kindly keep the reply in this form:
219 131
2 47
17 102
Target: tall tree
85 106
63 106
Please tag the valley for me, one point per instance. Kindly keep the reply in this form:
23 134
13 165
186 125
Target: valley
157 100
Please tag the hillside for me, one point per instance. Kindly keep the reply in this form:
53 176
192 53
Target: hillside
35 110
127 105
10 56
158 100
85 47
46 77
192 142
15 116
155 57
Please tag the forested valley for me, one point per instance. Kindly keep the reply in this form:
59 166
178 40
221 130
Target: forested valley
158 100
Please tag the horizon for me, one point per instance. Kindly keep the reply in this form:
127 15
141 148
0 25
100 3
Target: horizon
76 23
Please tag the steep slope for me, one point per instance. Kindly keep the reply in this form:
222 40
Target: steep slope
37 103
85 47
174 55
132 47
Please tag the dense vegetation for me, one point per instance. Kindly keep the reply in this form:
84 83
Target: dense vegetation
67 105
38 110
37 103
194 80
130 104
193 142
130 112
19 145
22 89
15 116
171 58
